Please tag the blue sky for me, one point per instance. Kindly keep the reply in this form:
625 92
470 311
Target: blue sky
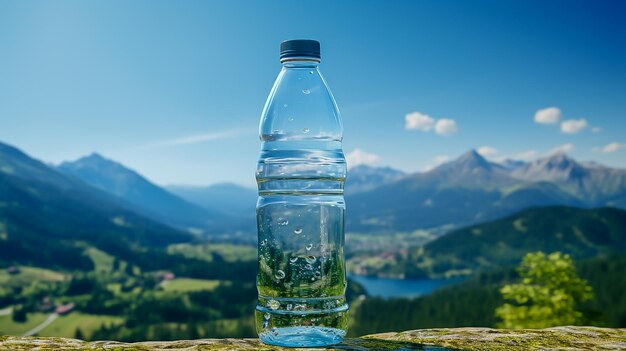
175 89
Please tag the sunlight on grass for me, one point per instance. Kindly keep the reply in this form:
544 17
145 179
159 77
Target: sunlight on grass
9 327
30 274
189 284
229 252
102 261
66 326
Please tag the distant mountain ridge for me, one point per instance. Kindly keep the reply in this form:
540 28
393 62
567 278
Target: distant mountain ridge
594 184
46 215
465 191
236 198
230 198
147 198
363 178
469 170
471 190
462 192
510 165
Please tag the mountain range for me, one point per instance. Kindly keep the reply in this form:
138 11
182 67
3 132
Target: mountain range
465 191
471 190
145 197
593 184
228 197
363 178
46 217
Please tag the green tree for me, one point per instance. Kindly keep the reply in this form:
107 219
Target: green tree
78 334
547 296
129 269
19 314
116 264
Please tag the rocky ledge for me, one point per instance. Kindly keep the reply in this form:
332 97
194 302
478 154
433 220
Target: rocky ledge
484 339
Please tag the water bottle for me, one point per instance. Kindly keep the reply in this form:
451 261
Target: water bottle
300 210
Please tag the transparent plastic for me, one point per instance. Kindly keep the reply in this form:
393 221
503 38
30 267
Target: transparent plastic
300 213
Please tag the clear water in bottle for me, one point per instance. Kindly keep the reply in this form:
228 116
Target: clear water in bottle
300 210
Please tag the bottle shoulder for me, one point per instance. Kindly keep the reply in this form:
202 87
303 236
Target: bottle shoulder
300 106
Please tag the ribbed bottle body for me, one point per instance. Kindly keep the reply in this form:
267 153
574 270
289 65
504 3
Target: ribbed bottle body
300 213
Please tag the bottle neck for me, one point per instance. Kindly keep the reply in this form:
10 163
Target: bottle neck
300 63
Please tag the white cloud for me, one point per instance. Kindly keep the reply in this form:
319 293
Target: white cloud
548 115
488 151
425 123
573 126
439 159
610 148
200 138
596 129
565 148
419 121
445 126
360 157
525 155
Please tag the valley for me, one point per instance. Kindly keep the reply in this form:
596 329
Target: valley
108 256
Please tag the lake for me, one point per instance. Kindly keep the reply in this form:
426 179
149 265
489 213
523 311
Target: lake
386 288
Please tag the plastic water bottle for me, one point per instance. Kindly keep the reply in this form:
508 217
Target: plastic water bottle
300 209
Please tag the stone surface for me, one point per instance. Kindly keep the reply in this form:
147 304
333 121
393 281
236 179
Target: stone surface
484 339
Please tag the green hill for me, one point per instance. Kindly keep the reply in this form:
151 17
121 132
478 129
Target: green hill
146 198
582 233
44 215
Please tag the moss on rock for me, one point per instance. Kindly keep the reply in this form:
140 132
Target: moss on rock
483 339
559 338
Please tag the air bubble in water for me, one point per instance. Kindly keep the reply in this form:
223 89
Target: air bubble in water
317 274
282 221
297 231
309 247
310 259
289 307
306 91
293 259
305 130
299 307
310 72
279 274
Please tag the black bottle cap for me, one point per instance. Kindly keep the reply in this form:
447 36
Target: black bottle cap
300 48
